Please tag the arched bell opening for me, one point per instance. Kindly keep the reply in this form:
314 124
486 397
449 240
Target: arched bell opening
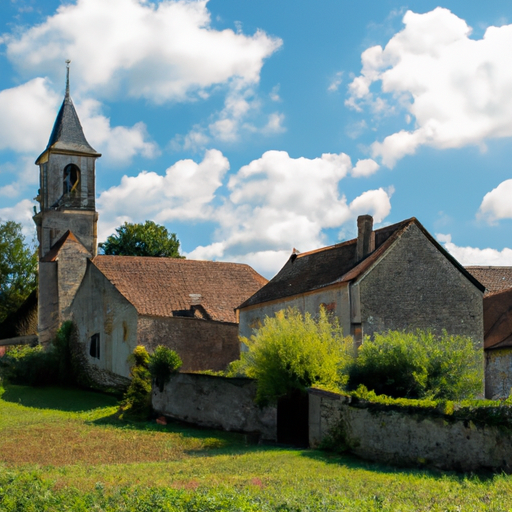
71 180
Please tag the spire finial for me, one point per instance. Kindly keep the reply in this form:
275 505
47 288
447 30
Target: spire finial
68 62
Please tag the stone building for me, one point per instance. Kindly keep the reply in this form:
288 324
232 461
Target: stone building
118 302
497 329
396 277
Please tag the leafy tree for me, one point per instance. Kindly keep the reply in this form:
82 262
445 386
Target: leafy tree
18 268
148 239
163 363
293 352
419 365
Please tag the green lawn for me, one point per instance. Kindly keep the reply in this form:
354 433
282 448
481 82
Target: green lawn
64 449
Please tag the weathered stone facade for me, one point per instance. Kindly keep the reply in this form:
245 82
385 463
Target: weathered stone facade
414 286
216 402
498 373
407 281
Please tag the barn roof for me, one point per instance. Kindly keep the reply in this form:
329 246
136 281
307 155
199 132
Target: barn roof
167 286
308 271
495 279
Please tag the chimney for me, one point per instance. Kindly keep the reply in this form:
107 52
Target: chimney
365 237
195 299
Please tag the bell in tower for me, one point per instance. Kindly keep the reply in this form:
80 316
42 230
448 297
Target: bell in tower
67 182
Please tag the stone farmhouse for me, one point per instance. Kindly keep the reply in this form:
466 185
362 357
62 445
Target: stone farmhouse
118 302
396 277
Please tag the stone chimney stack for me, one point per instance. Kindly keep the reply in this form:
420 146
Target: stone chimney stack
365 237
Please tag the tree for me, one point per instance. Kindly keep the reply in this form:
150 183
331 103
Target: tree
148 239
293 352
18 268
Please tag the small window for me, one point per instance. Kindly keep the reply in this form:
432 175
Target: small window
71 178
94 349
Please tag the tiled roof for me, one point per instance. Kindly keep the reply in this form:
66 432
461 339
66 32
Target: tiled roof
67 133
498 320
162 286
495 279
316 269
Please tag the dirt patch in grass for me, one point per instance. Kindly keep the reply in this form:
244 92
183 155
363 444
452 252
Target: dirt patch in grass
75 443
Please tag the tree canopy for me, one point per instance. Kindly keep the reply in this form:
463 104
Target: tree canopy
148 239
18 268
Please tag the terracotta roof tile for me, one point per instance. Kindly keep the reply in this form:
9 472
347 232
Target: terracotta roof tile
162 286
495 279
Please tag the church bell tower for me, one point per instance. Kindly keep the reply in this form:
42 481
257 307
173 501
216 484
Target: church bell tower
67 183
67 219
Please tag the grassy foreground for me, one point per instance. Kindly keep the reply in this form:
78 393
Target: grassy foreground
64 449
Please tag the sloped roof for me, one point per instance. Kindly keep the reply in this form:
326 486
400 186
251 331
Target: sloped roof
67 133
162 286
495 279
308 271
68 236
498 320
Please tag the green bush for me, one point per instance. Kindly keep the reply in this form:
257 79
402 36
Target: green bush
291 351
136 403
162 364
419 365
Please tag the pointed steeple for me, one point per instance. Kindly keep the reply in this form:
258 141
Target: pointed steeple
67 133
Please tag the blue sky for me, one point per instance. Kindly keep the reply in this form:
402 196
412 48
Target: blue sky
251 128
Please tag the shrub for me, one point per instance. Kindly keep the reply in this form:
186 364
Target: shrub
291 351
162 364
136 402
41 366
419 365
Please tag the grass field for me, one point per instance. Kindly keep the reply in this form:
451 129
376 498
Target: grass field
64 449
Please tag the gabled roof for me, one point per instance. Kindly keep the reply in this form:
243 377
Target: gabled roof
67 237
67 133
308 271
498 320
162 286
495 279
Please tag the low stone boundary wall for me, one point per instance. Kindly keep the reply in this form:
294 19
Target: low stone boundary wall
216 402
370 431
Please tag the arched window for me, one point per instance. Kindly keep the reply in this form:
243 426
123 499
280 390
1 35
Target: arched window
71 178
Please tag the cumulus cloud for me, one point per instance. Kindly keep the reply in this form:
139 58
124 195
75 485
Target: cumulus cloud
169 52
474 256
22 212
456 89
497 204
277 202
184 192
364 168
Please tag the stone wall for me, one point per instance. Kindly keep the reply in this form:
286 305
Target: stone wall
414 286
498 373
395 437
216 402
201 344
48 301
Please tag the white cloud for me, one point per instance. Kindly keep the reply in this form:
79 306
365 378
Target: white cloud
467 256
456 89
365 167
497 204
335 82
274 93
159 51
27 113
277 202
22 212
274 124
184 192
